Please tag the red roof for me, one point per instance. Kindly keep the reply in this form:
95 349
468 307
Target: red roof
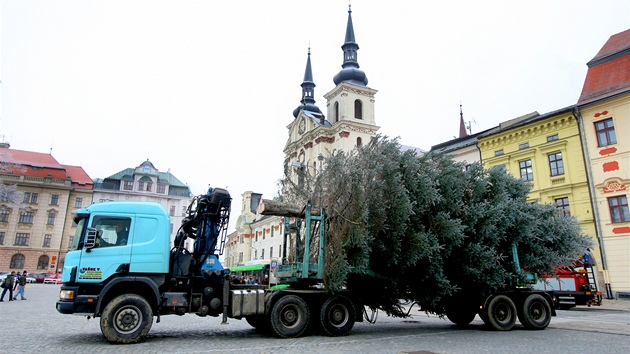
28 163
80 178
609 70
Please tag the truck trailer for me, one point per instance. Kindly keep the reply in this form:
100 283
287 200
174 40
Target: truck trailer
123 269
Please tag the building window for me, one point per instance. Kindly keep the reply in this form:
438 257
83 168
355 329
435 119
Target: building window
556 166
17 261
27 197
172 209
2 237
605 131
161 188
359 142
54 200
42 262
78 202
34 198
523 146
358 109
240 257
262 254
256 237
183 211
47 239
70 241
263 233
562 206
4 215
270 252
21 239
128 186
336 114
498 152
552 137
242 239
140 186
272 227
51 219
527 173
619 209
26 217
149 186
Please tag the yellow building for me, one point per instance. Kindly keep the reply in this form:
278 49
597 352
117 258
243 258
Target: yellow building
546 151
604 116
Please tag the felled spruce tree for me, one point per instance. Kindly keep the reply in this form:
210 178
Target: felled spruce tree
425 228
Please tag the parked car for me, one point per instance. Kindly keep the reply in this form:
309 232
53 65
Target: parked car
39 277
30 280
53 279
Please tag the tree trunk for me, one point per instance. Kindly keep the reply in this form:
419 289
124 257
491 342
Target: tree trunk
272 207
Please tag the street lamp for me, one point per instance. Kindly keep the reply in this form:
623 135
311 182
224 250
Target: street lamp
302 166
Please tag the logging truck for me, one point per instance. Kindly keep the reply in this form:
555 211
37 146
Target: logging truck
127 284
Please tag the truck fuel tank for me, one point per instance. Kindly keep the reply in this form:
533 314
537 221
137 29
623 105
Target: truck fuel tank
247 302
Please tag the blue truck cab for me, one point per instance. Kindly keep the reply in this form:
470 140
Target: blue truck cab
115 243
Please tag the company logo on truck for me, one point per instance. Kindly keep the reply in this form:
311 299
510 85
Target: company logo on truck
90 273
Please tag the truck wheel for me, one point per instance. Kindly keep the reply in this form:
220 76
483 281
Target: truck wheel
337 316
126 319
290 316
535 313
461 315
501 313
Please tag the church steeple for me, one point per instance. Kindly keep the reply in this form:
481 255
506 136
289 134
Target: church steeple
308 90
462 125
350 72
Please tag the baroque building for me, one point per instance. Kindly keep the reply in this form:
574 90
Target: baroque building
311 136
146 183
604 118
38 201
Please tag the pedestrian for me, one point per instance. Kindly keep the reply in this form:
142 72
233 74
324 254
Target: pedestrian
21 283
8 285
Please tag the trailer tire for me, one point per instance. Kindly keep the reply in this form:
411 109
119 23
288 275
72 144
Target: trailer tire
461 315
290 316
126 319
337 316
535 313
501 313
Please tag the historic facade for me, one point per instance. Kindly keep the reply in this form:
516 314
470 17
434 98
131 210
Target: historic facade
311 137
39 199
146 183
604 117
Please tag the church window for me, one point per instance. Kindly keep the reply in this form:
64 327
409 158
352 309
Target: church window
336 116
359 142
358 109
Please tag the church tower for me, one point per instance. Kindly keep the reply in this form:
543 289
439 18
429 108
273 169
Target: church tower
350 109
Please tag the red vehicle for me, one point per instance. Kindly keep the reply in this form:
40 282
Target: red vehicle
572 286
53 279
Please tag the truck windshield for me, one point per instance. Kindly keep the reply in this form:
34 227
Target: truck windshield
76 239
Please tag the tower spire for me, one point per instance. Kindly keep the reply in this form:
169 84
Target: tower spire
350 68
462 126
308 90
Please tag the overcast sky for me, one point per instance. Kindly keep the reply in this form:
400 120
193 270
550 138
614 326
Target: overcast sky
207 88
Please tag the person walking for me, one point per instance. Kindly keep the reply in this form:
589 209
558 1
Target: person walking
8 285
21 284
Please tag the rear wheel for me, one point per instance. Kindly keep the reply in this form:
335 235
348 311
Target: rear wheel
501 313
290 316
535 312
337 316
461 314
126 319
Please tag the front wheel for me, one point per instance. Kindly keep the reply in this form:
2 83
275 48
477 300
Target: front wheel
501 313
290 316
462 314
337 316
535 313
126 319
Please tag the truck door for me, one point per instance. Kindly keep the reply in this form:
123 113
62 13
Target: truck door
112 253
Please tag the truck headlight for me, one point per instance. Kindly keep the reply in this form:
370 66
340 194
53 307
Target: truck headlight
66 295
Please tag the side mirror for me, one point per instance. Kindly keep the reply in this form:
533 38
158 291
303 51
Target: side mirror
90 238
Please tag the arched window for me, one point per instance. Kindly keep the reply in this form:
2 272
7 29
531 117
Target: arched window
358 109
336 116
17 261
42 262
359 142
